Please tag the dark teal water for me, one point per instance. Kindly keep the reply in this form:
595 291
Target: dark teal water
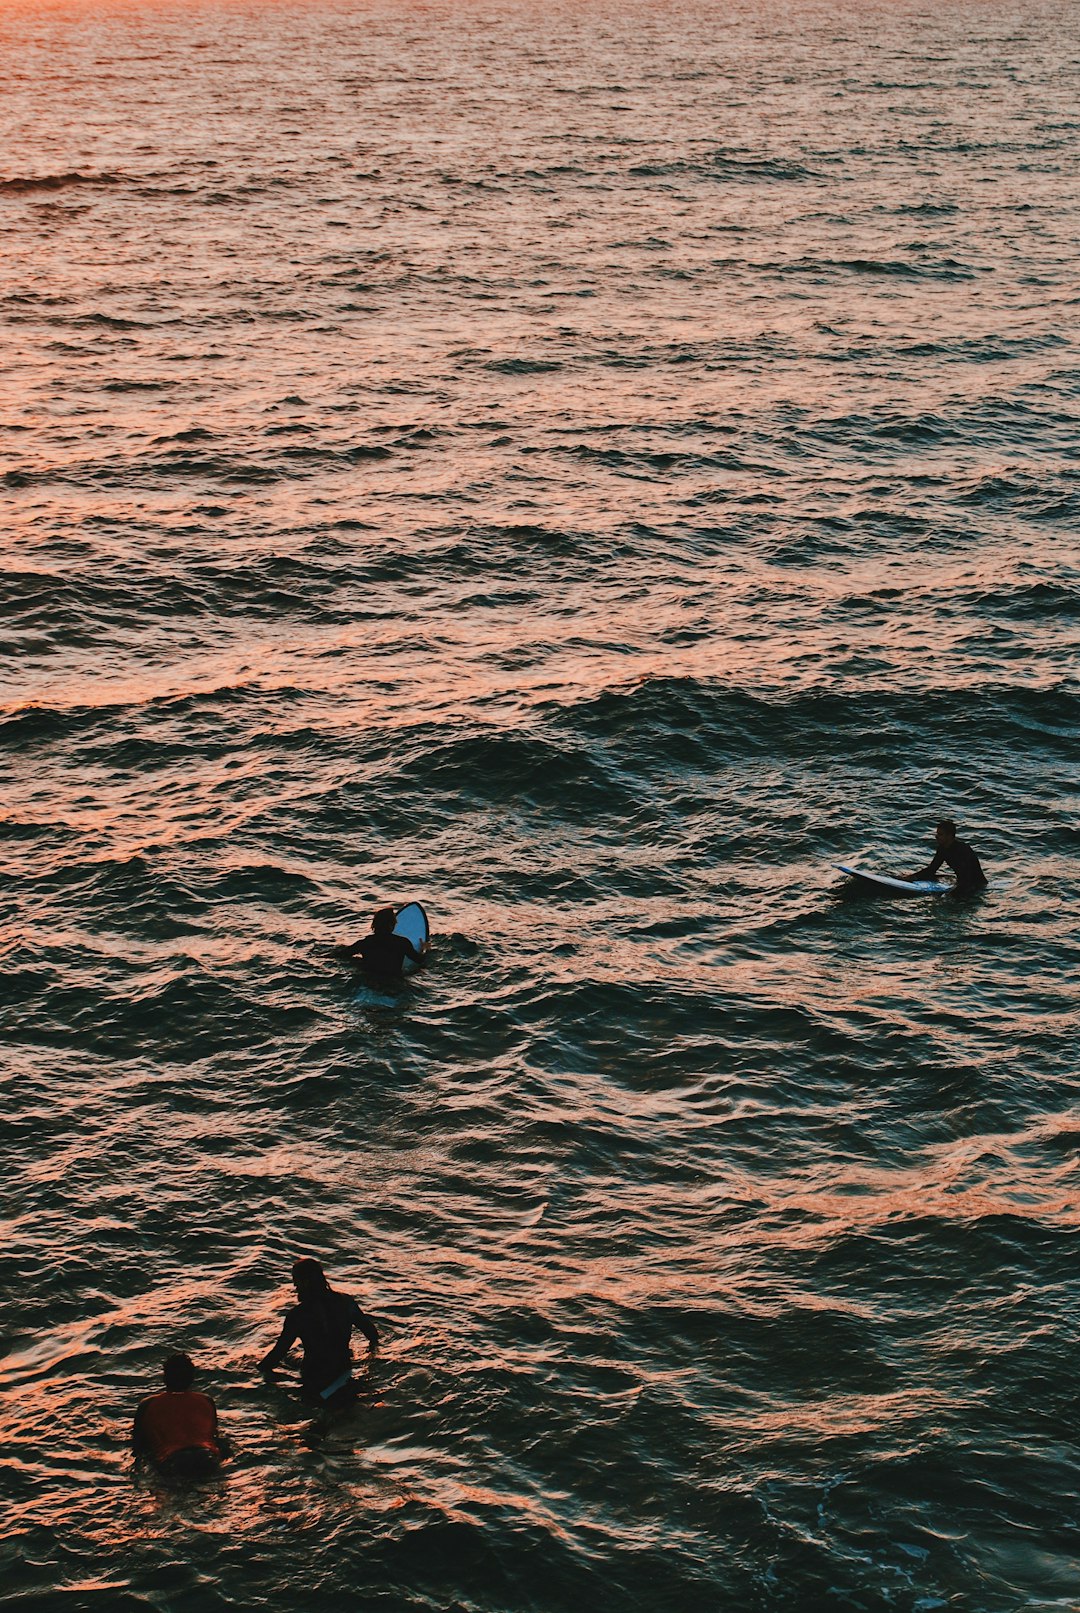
591 468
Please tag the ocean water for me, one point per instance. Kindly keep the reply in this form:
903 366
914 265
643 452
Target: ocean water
591 467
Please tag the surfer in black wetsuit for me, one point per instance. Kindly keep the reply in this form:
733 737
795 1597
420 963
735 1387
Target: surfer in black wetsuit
960 858
323 1322
382 952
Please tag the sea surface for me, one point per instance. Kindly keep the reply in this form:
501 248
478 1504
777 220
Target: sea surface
591 467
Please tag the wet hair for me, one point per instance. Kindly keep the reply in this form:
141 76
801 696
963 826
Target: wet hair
179 1372
310 1279
949 826
384 921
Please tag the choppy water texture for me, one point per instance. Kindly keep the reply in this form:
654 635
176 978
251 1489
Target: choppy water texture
590 467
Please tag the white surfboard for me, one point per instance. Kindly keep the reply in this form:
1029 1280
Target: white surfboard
412 923
912 887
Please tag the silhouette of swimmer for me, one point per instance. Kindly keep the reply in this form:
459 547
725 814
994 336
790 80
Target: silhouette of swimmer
382 952
960 858
323 1322
178 1428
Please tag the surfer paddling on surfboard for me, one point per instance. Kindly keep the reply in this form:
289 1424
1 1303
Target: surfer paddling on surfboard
960 858
385 951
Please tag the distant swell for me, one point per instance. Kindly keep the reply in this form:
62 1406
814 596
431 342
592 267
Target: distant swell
745 169
24 184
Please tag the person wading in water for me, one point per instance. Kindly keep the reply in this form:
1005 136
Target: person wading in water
323 1322
381 953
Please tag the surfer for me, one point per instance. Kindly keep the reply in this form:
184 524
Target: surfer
382 952
323 1322
178 1428
960 858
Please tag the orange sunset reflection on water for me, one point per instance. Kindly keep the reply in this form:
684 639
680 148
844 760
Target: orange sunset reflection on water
591 470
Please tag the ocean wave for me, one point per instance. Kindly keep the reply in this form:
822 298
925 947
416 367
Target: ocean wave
962 422
947 269
742 168
524 366
689 720
929 209
286 462
658 459
27 184
540 768
983 349
1048 496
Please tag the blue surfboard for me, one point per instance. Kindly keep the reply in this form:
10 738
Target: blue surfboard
412 923
910 887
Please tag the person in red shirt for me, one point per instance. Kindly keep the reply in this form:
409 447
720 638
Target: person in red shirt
178 1429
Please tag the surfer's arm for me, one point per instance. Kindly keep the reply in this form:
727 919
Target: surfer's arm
411 952
366 1326
930 871
138 1438
287 1338
350 951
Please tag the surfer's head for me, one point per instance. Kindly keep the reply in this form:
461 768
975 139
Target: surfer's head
179 1372
384 921
309 1279
945 833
